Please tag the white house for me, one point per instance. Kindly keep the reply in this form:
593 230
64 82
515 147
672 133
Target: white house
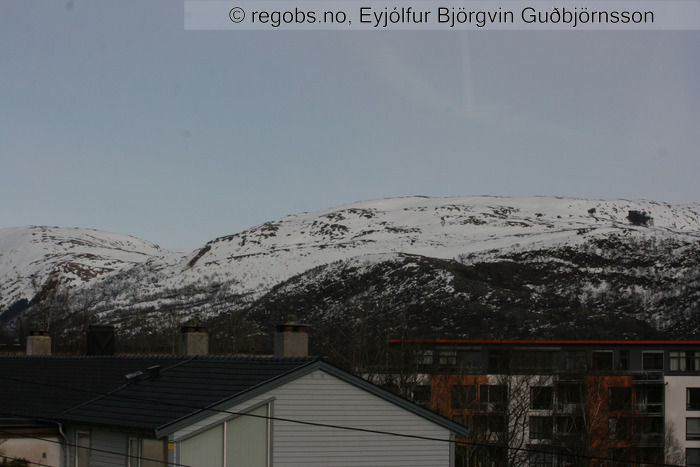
215 411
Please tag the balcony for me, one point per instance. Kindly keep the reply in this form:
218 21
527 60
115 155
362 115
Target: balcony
569 407
648 439
649 409
491 407
648 377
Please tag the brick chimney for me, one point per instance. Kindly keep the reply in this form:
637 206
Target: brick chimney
194 339
39 343
291 339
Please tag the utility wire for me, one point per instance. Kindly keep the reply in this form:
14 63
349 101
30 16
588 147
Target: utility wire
115 393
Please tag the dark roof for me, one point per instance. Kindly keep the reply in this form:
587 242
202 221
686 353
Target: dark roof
95 390
45 387
161 393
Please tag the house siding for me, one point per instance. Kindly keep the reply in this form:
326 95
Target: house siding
325 399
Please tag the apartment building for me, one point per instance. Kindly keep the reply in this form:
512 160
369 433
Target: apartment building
560 402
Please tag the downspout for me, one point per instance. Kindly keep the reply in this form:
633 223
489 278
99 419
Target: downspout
64 444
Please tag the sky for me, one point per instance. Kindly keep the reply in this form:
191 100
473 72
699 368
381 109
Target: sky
114 117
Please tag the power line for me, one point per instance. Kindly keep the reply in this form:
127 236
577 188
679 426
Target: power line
115 393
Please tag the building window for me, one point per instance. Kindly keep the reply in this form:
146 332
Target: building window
243 440
463 396
153 452
619 428
541 397
82 455
469 360
620 398
498 360
650 399
649 429
569 393
569 425
692 457
421 395
574 360
493 397
541 459
146 452
624 360
652 360
423 358
684 361
602 360
447 358
488 456
692 428
533 360
490 424
692 398
541 427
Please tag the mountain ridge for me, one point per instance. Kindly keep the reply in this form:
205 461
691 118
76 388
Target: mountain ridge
134 284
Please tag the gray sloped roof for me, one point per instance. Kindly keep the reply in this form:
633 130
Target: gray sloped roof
94 390
44 387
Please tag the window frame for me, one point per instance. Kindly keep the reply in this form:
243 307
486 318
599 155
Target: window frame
462 396
620 398
652 356
78 447
541 427
683 361
620 428
692 403
696 454
538 393
596 360
693 435
575 360
134 458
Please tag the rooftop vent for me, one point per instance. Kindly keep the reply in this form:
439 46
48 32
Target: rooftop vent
133 377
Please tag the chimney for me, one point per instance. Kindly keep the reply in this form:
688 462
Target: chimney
291 339
194 339
100 340
39 343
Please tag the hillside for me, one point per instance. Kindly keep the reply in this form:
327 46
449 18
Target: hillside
478 266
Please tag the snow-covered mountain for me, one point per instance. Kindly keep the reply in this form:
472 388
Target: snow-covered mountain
135 284
29 256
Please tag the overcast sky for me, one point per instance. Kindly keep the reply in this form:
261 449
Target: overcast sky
114 117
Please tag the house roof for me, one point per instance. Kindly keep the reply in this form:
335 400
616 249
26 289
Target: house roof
161 394
96 391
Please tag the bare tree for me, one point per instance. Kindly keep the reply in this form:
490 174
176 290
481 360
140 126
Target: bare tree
673 450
